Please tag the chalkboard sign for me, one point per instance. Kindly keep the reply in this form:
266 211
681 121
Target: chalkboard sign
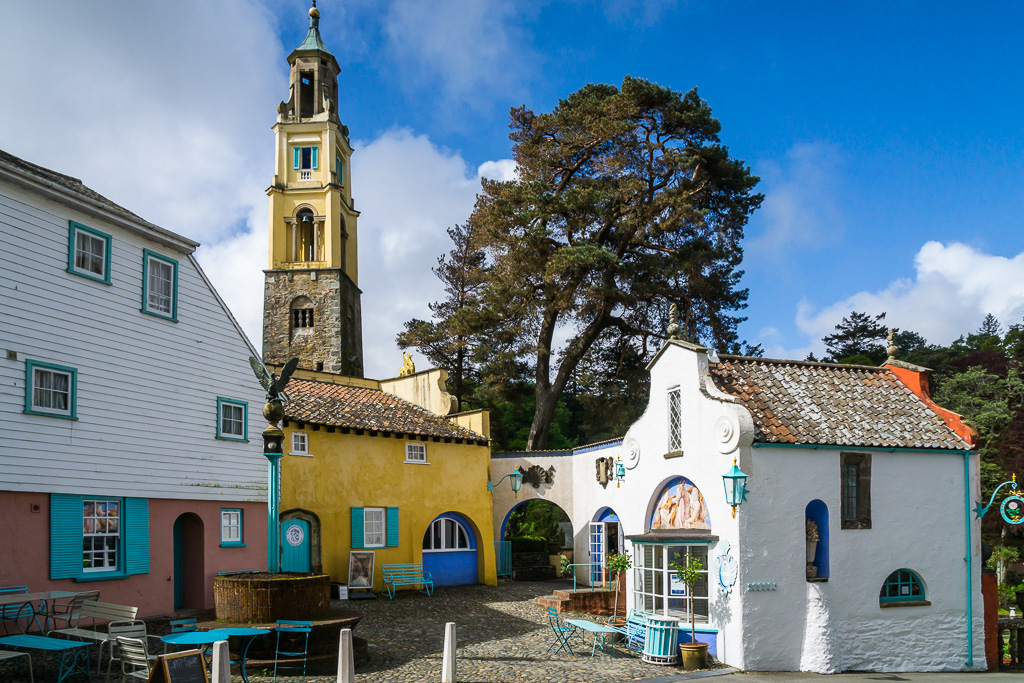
179 667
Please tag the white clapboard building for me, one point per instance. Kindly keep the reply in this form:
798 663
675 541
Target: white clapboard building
131 460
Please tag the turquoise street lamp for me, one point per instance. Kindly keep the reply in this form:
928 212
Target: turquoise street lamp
620 472
273 449
735 487
516 482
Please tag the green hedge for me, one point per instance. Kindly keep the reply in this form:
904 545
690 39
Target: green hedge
521 544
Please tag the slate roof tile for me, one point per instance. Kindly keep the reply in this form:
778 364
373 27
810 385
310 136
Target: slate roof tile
339 405
820 403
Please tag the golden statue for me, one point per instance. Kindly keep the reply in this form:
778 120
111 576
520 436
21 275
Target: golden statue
407 365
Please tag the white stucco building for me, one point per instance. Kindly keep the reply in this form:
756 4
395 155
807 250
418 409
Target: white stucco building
887 478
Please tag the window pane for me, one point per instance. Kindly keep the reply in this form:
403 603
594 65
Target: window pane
51 390
101 528
90 253
160 288
675 420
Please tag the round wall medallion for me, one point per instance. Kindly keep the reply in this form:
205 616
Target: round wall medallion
1012 509
632 450
294 535
727 431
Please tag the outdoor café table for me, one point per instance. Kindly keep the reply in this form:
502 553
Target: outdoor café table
41 597
598 630
212 636
69 651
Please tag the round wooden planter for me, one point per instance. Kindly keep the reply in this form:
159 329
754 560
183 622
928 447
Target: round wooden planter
265 598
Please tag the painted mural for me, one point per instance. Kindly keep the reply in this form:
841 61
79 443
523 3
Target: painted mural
680 506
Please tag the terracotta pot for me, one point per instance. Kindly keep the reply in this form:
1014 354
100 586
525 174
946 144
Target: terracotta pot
694 655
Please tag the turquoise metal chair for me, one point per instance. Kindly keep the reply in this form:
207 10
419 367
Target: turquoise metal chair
292 643
9 613
562 632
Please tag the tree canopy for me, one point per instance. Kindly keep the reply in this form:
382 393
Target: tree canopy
625 201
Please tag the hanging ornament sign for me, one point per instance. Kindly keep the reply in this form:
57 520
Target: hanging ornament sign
1012 507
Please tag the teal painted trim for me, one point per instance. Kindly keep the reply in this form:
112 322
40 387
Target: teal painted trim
915 580
135 535
73 229
357 528
391 528
240 543
30 367
100 576
678 541
316 157
967 557
831 447
146 256
221 402
65 536
295 158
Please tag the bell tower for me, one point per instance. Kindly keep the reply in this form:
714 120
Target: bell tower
311 304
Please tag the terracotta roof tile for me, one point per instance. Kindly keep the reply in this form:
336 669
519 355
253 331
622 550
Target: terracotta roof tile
339 405
821 403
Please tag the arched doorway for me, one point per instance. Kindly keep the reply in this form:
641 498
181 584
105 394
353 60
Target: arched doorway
189 562
300 542
604 539
534 527
450 551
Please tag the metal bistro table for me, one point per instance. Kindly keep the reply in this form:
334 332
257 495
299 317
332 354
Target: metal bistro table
64 651
213 635
598 630
26 599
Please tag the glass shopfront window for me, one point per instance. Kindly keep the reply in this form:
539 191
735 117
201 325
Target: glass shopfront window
655 587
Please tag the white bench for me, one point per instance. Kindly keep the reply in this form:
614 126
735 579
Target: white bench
95 610
8 654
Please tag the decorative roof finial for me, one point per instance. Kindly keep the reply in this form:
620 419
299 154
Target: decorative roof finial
892 344
314 16
673 322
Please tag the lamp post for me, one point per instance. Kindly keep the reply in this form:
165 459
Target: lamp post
516 482
735 487
273 449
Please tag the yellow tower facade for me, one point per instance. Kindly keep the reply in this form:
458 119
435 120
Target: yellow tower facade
311 296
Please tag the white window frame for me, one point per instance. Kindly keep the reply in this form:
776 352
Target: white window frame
446 527
652 581
375 522
675 420
231 525
103 546
416 453
223 405
300 444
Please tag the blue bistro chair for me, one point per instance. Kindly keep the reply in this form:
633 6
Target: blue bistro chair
12 613
562 632
292 643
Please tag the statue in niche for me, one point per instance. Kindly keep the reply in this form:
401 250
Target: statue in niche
537 475
605 471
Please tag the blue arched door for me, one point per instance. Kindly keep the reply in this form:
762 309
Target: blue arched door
450 551
295 545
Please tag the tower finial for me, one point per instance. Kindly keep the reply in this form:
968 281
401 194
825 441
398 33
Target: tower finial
314 16
892 350
673 322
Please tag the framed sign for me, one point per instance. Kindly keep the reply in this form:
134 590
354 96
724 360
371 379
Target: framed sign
179 667
360 569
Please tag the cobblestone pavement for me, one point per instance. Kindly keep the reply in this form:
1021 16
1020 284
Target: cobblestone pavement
503 636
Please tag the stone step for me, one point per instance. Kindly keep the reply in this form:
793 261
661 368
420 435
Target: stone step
551 601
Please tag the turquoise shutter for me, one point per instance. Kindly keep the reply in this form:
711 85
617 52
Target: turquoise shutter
357 527
315 157
295 158
65 536
392 528
136 535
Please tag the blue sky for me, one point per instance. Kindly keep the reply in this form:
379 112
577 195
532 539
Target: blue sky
887 135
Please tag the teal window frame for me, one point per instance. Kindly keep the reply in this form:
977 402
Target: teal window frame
892 587
240 543
30 409
358 527
73 229
147 255
221 402
67 536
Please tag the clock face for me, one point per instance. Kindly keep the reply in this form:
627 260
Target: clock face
1012 509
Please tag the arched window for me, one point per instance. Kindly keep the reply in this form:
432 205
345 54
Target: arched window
446 534
306 236
903 585
301 314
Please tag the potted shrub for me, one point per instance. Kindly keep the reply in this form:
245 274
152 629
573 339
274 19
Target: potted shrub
694 654
618 565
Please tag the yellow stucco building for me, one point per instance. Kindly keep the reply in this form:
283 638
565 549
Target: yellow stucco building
382 468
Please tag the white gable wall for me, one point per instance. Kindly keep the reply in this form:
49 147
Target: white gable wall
147 387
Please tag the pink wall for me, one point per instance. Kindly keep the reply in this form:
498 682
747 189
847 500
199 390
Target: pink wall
25 550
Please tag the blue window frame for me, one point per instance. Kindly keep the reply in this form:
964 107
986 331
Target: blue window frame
88 252
159 285
231 531
51 390
232 419
903 585
98 537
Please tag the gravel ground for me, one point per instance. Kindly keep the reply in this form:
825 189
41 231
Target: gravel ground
503 636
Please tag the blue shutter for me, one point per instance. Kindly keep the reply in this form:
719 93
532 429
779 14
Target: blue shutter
357 527
136 535
392 532
315 157
295 158
65 536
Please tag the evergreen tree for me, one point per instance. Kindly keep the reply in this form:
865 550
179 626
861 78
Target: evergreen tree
859 338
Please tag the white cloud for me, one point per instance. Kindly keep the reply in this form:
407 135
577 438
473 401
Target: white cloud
800 207
503 169
470 48
955 286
